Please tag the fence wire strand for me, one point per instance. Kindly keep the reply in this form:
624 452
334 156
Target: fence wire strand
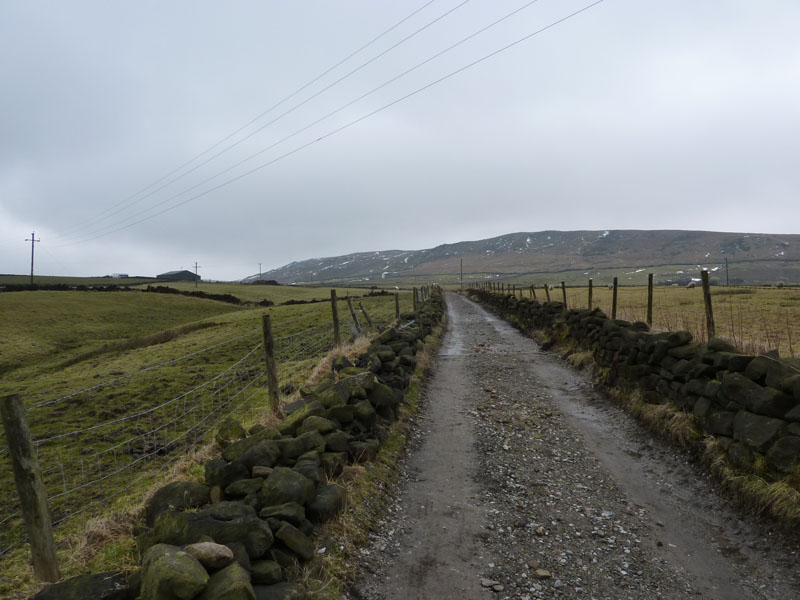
94 456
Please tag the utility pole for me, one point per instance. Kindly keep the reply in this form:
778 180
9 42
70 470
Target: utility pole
195 274
461 285
33 241
727 278
259 271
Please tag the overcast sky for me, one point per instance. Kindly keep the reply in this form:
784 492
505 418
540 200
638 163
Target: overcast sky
634 114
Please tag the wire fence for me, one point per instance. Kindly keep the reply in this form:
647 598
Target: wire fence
93 442
754 319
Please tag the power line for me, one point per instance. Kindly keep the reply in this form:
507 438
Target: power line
278 118
130 199
334 131
326 116
33 241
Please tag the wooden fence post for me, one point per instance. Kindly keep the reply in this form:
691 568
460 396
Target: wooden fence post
30 487
366 316
547 291
564 294
533 292
337 337
397 305
415 300
710 328
272 368
614 301
650 299
590 293
353 314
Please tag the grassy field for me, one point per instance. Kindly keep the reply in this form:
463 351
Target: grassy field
753 319
255 293
118 385
46 328
54 280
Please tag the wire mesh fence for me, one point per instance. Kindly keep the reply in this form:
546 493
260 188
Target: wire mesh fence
91 443
754 319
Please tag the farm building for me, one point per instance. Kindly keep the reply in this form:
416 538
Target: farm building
178 276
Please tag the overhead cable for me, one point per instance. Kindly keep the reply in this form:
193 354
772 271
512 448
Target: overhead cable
103 215
332 132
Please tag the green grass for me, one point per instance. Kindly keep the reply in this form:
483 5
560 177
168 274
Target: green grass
120 364
274 293
54 280
41 325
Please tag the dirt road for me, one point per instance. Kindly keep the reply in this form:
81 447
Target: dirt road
522 482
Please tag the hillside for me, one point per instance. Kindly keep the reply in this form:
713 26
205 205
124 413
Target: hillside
761 258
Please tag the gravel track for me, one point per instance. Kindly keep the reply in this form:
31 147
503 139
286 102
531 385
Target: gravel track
522 482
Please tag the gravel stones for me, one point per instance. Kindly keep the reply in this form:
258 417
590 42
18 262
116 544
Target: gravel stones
557 523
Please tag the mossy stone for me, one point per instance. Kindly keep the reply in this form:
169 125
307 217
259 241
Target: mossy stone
231 583
286 485
335 395
229 431
266 572
333 463
240 489
179 495
364 412
296 541
169 572
337 441
328 501
291 423
290 447
312 440
382 395
288 511
320 424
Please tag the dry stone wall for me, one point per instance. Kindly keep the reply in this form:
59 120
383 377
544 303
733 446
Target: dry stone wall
253 518
750 404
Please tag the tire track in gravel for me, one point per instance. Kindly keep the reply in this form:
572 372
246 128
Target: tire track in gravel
522 483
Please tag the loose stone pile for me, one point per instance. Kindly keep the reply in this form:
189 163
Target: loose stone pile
235 535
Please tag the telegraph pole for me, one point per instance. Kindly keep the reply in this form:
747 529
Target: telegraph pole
195 274
33 241
727 278
461 284
259 271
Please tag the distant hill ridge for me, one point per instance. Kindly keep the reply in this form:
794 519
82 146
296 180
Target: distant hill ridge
546 251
